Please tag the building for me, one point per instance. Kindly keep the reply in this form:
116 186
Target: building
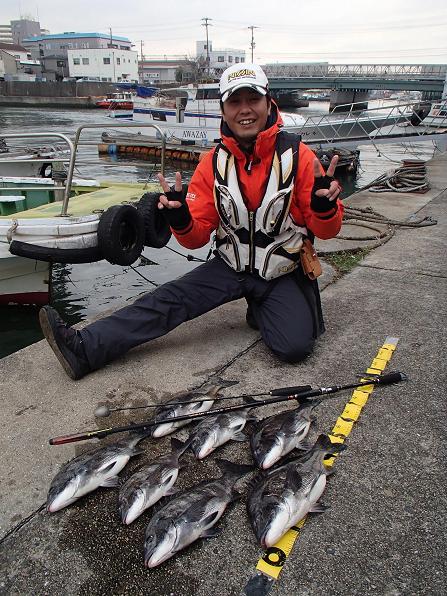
109 65
219 60
55 48
5 34
23 29
165 72
16 64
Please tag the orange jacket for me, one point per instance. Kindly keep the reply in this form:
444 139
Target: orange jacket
200 197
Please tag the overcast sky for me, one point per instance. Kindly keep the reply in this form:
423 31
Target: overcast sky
346 31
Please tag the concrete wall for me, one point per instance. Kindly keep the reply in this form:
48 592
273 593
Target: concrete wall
53 89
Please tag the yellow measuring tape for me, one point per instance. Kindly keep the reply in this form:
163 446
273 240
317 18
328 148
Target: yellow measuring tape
275 557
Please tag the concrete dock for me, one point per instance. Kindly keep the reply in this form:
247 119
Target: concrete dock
385 532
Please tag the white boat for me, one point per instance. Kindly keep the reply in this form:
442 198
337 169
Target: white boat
30 161
191 114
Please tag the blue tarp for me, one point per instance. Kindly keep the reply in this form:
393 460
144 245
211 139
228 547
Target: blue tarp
140 89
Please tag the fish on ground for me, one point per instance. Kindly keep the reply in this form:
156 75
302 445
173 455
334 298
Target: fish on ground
88 471
166 411
276 436
281 497
191 515
150 483
214 431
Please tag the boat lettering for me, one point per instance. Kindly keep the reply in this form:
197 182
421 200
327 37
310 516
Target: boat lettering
194 134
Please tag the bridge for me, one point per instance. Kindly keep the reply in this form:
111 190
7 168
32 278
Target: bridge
351 82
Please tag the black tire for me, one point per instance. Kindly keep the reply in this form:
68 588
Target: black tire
157 232
55 255
46 170
121 234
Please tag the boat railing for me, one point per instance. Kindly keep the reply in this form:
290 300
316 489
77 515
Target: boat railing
75 145
37 135
372 123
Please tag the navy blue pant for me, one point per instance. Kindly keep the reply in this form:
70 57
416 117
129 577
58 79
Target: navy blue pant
281 308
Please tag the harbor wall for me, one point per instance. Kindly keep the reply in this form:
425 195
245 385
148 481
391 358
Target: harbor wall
53 94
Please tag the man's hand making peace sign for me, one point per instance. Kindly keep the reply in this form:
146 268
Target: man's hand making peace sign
173 203
325 189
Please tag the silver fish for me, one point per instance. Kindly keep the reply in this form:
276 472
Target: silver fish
88 471
283 496
191 515
279 434
150 483
167 411
214 431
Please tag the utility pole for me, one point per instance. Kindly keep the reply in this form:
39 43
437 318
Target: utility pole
252 45
206 25
141 63
113 54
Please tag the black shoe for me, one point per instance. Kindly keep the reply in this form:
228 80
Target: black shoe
250 319
65 343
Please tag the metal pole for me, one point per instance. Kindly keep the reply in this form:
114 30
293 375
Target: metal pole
75 148
252 45
205 24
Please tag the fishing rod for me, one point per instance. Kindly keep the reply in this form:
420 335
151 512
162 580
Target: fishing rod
104 411
388 379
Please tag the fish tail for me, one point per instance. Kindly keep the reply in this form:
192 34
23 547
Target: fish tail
179 446
229 467
325 444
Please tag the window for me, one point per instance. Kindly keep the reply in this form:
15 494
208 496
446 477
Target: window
76 61
230 59
85 61
236 59
118 61
242 59
106 60
221 58
104 79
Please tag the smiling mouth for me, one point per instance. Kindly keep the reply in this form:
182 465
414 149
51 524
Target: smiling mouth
246 122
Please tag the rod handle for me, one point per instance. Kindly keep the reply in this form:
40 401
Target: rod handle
62 440
290 390
391 377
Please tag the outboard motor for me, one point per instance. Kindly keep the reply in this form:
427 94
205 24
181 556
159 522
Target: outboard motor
420 111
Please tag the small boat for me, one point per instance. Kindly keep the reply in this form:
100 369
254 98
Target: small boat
30 160
116 101
431 115
66 221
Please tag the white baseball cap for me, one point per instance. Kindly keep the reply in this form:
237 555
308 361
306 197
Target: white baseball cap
243 75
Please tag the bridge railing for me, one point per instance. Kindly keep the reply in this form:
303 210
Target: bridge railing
323 69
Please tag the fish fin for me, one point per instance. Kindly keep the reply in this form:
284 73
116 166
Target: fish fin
240 437
294 478
112 482
236 496
304 445
211 533
319 507
250 400
171 491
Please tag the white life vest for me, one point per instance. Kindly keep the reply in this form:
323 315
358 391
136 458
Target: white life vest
265 241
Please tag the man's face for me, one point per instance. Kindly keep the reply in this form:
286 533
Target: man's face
246 112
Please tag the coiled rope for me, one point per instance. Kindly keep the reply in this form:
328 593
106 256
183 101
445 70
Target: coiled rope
410 177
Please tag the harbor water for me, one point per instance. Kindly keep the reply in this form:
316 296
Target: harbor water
85 291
